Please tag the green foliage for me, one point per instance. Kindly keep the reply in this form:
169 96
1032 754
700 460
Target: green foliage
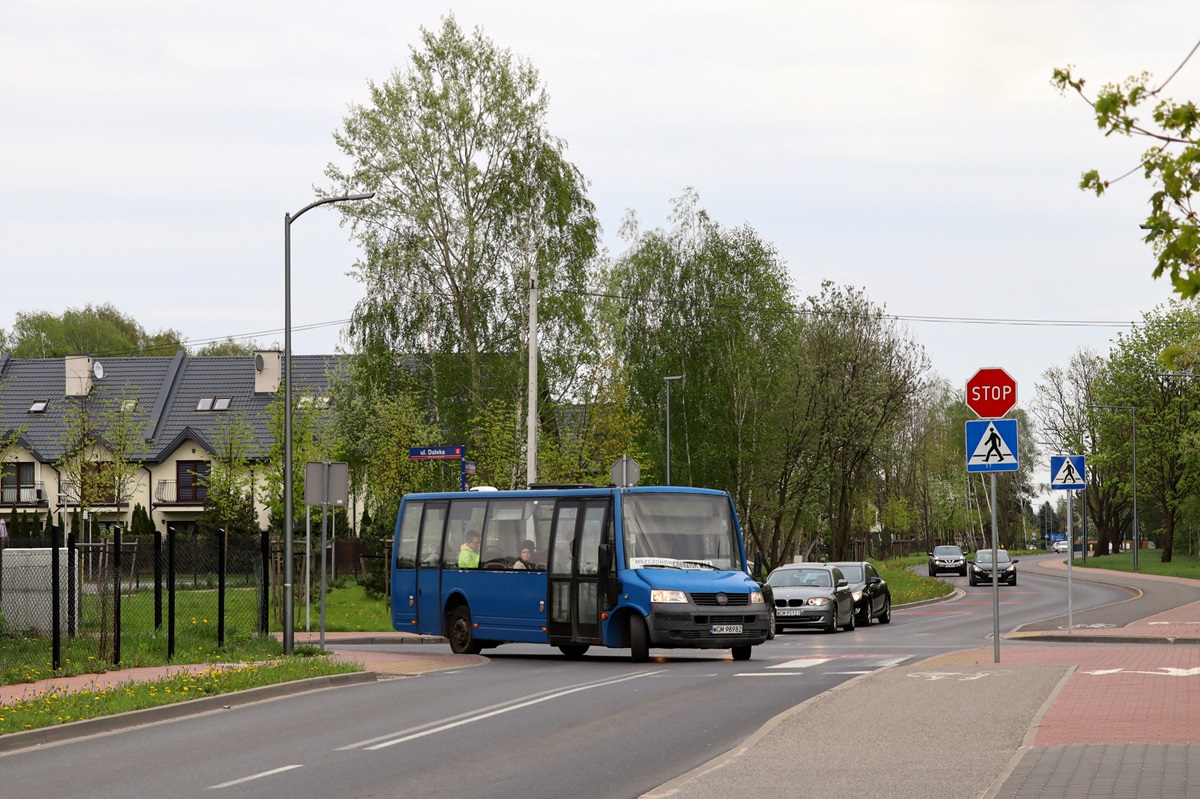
472 196
1172 164
98 330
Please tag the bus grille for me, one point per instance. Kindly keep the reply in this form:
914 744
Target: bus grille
710 600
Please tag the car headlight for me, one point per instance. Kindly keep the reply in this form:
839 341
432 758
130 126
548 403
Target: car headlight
857 595
756 598
819 601
1010 568
661 596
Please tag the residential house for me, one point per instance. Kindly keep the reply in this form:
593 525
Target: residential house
176 405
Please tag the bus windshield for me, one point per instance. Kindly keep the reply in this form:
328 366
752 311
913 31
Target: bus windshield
679 531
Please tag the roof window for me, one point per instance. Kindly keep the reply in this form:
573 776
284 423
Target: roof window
213 403
39 406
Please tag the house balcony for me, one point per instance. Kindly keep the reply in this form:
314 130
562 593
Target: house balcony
169 492
31 495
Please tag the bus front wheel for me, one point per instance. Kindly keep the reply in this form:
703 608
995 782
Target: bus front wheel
639 639
462 632
741 652
573 651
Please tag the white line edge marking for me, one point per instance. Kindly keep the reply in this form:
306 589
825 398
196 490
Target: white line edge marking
418 732
231 783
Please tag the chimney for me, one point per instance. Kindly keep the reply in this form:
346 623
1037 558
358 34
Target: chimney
79 375
268 371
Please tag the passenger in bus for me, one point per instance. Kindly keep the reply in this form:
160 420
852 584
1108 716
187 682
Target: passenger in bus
526 559
468 554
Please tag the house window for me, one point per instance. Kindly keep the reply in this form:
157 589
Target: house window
16 483
129 406
99 484
221 403
39 406
191 481
205 404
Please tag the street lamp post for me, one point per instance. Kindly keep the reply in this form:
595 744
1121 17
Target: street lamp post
668 381
288 576
1137 543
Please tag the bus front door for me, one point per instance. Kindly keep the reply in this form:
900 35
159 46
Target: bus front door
429 569
575 602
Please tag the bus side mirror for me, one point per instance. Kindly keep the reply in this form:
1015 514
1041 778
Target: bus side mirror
605 558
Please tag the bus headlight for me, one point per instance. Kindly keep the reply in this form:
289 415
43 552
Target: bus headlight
756 598
661 596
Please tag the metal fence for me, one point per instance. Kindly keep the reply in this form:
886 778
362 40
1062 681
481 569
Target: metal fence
125 600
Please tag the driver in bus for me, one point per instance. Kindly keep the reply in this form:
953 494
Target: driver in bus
468 554
663 548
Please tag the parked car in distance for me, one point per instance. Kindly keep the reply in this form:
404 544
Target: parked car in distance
812 595
1060 546
872 597
981 567
947 558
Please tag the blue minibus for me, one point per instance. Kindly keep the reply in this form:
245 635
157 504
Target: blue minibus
577 567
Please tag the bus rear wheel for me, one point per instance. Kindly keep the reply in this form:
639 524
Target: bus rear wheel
639 639
573 651
462 632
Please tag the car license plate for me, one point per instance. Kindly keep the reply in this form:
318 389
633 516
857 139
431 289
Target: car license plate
725 629
790 612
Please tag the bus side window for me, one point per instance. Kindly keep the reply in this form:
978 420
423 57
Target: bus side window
431 534
465 516
410 526
564 540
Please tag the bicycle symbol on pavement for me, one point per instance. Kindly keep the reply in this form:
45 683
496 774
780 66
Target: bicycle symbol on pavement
957 676
1087 627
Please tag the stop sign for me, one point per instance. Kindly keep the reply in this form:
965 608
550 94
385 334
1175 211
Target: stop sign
991 393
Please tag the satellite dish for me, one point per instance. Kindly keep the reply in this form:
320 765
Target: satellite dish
98 370
258 362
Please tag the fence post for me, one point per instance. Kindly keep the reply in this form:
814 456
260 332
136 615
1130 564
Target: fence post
55 610
71 598
117 595
222 547
158 575
264 593
170 593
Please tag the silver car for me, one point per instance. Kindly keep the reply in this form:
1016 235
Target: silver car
812 595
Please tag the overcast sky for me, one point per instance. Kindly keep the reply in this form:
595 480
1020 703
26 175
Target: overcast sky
916 150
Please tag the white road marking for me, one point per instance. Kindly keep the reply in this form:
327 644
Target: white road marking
231 783
1163 671
802 663
423 730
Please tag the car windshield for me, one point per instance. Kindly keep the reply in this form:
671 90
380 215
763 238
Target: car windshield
791 578
947 552
671 530
985 556
852 572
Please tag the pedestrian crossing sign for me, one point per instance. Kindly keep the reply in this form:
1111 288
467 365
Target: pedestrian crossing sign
1066 472
992 445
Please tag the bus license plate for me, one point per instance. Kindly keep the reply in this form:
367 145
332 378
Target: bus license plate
725 629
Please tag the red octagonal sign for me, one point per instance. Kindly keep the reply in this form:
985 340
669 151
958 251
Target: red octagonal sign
991 393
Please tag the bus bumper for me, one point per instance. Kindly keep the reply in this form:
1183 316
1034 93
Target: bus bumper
701 628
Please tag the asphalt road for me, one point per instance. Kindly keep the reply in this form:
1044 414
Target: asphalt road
528 724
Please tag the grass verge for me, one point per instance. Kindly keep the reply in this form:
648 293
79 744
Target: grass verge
56 706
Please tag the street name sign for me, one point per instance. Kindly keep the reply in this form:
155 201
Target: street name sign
435 453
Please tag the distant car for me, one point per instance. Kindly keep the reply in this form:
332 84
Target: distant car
1060 546
981 567
872 597
947 558
812 595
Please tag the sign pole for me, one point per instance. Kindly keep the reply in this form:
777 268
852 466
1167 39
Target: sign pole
1070 558
995 578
